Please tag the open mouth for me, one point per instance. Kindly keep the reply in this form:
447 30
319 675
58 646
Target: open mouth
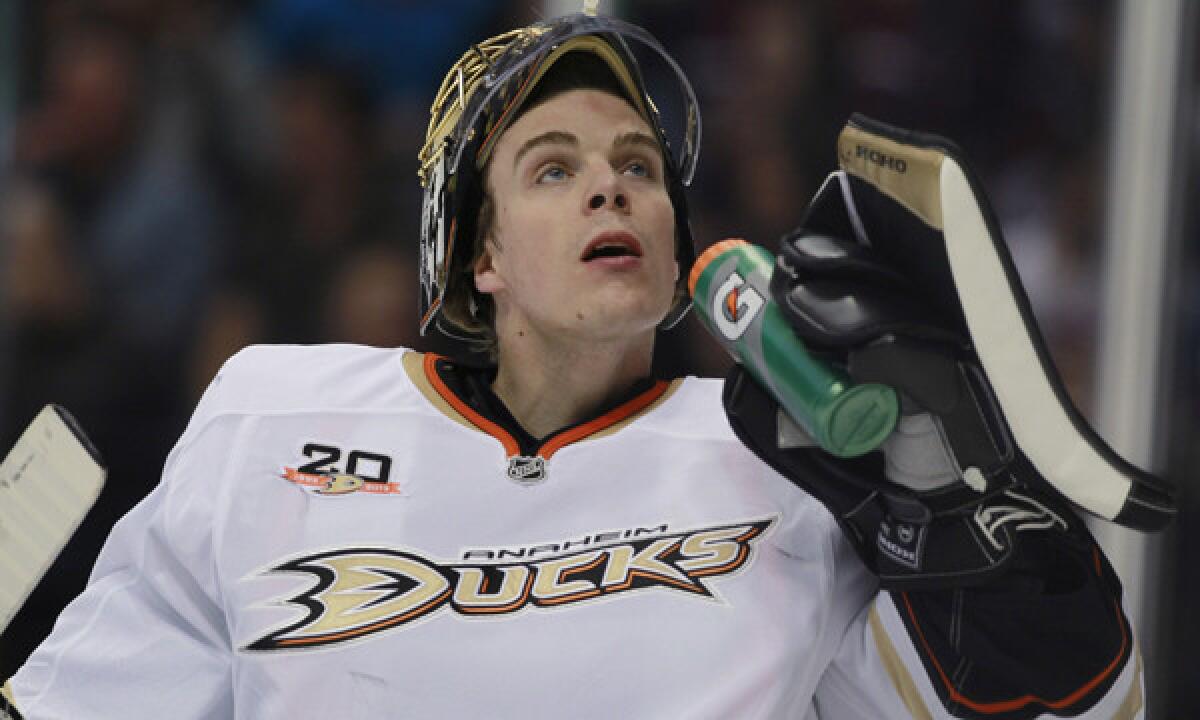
612 245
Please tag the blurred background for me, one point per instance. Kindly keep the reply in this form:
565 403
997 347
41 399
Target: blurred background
180 178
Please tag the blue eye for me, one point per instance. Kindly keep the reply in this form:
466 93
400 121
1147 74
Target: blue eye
554 173
637 169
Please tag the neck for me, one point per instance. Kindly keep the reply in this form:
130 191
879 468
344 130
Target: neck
549 383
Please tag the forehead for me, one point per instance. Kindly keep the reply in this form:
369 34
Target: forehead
590 115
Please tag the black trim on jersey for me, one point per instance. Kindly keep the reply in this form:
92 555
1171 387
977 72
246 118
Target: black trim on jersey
1050 639
472 384
7 711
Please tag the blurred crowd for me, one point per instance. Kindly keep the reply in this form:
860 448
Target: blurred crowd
184 177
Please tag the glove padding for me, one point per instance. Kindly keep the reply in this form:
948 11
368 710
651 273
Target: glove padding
898 273
951 536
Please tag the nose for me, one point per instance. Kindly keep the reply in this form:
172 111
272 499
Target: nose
608 192
600 199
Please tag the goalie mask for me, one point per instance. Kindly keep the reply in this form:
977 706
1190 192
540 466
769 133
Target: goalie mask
480 98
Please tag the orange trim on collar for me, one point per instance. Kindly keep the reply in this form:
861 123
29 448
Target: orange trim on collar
608 419
511 447
557 442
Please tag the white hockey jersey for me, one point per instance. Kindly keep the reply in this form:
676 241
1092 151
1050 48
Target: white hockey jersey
338 534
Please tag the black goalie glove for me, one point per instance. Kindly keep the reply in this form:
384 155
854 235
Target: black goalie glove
899 274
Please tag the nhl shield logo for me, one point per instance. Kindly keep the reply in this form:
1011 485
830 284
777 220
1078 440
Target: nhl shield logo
525 470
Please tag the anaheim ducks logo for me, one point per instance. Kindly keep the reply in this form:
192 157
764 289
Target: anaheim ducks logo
357 592
340 484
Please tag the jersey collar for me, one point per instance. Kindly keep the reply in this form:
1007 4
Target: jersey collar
463 393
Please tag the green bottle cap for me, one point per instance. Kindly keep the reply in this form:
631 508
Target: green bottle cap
860 419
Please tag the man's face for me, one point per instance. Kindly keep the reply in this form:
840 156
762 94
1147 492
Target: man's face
583 241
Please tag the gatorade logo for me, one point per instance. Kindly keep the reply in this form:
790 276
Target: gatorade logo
735 305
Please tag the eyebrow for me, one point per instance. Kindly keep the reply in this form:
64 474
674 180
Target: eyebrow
554 137
637 139
558 137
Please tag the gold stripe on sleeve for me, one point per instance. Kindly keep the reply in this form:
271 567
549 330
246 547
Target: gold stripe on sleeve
1132 704
896 670
8 705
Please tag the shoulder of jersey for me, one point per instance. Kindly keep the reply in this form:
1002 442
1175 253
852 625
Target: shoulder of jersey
280 379
695 412
693 409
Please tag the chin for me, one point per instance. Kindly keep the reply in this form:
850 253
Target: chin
625 320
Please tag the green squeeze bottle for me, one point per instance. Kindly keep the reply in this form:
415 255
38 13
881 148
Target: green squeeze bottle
729 284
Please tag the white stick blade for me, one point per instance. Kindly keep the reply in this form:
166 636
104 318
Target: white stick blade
48 482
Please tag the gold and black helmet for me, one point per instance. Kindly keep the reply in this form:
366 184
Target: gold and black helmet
481 96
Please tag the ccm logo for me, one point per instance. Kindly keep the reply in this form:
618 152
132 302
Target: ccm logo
888 161
735 305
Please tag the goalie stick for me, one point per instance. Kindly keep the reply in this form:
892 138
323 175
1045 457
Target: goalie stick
48 482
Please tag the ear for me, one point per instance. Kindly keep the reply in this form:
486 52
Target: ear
487 279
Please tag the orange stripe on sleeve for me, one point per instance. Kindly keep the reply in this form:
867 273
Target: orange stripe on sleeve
1002 706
